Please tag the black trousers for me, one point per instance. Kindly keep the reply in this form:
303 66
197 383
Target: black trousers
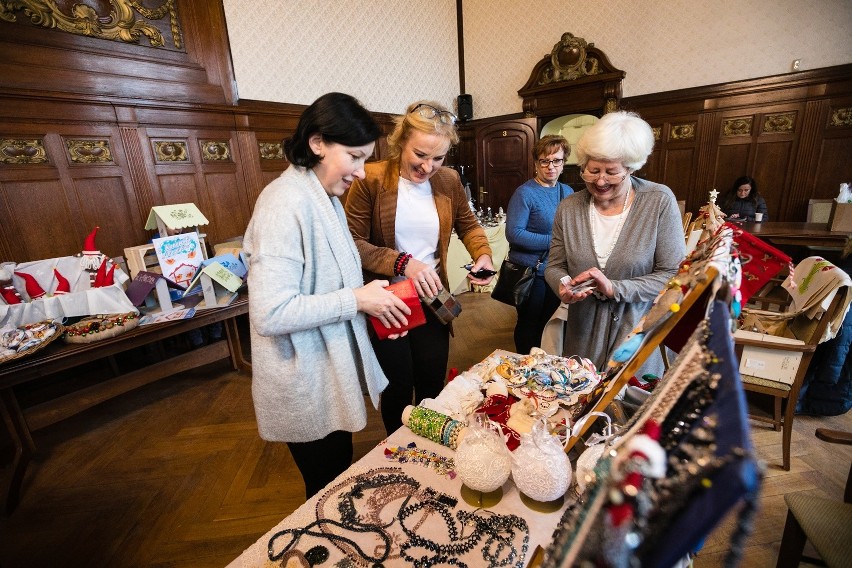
533 316
321 461
415 365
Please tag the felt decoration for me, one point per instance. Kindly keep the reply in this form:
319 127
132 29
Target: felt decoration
91 255
626 350
34 290
62 284
760 261
10 295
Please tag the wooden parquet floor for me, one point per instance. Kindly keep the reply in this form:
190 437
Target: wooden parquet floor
174 473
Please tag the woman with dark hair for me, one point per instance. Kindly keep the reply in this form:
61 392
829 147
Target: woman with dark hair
311 353
528 223
743 202
401 217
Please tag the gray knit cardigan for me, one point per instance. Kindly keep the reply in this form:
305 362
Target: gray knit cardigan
310 350
647 254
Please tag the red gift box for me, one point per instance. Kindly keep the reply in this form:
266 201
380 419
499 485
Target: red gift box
408 294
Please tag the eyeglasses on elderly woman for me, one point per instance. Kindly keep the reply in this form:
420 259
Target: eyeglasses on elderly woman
430 112
608 178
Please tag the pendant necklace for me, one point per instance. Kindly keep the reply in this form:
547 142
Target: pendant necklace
621 218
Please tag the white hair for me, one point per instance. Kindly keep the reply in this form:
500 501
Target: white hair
617 137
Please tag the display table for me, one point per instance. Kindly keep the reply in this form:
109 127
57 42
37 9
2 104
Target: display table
457 257
421 486
60 356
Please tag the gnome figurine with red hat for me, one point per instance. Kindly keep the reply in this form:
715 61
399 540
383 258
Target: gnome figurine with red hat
34 289
62 284
92 257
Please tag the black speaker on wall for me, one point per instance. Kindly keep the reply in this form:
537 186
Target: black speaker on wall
465 104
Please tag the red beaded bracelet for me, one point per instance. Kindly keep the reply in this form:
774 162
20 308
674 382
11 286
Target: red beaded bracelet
400 263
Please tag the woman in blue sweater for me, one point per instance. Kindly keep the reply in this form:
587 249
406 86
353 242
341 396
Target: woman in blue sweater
528 224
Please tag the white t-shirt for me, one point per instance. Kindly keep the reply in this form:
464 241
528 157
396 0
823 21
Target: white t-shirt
606 230
417 222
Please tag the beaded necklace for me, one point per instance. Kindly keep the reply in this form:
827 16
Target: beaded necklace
621 218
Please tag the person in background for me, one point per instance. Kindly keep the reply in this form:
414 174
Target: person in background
401 216
529 220
310 347
622 235
743 201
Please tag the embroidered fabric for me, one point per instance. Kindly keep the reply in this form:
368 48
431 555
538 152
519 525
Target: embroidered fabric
630 519
482 460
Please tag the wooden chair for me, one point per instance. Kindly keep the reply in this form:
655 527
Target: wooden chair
826 523
687 217
793 357
819 210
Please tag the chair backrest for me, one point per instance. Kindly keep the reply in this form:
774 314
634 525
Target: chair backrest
819 210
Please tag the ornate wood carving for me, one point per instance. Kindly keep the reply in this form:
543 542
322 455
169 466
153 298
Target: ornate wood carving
575 77
737 126
215 151
271 150
784 122
166 151
683 131
116 20
89 151
840 117
29 151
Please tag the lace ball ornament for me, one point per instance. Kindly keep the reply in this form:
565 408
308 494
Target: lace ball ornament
540 467
483 462
585 469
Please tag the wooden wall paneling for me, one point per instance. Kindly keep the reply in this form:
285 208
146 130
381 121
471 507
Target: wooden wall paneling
675 157
103 69
251 166
40 223
832 148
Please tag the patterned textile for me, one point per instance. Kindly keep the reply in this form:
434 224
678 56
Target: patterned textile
760 261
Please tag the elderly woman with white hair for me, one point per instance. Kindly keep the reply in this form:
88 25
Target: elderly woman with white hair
618 241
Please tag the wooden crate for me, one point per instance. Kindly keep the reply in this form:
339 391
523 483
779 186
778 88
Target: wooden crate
141 258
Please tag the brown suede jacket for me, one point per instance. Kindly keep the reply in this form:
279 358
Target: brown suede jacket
371 212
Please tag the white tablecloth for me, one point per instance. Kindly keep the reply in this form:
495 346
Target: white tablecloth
541 525
457 257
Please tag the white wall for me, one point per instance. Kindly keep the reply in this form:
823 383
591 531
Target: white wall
389 53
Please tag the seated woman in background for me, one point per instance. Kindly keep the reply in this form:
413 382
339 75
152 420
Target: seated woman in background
622 235
743 201
528 223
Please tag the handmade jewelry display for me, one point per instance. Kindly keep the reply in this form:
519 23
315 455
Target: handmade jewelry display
681 463
385 517
433 425
100 327
412 454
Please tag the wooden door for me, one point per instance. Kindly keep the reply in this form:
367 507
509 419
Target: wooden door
504 161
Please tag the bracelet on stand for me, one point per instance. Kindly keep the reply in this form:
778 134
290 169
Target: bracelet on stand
401 263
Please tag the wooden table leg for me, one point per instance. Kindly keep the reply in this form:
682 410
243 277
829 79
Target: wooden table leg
232 333
19 433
